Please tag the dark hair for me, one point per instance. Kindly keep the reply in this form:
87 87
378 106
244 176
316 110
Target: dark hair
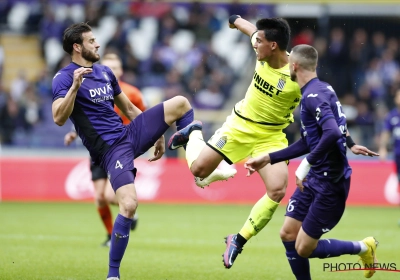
276 30
307 56
73 35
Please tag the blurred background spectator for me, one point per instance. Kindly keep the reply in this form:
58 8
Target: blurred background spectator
187 49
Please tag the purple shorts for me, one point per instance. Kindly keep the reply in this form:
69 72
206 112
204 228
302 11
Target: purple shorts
140 135
320 206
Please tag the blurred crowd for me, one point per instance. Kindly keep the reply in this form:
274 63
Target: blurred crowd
185 49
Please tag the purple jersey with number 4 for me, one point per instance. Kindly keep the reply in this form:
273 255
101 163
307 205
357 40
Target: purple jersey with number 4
93 115
318 104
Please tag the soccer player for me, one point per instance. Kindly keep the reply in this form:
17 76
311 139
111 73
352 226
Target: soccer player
104 195
391 128
323 177
85 93
254 128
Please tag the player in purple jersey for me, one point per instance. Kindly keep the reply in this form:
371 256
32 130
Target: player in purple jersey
323 177
391 128
85 93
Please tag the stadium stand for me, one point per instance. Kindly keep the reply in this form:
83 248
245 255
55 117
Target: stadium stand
166 52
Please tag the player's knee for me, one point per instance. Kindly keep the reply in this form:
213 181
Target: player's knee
182 103
303 251
287 235
100 200
199 171
276 194
128 207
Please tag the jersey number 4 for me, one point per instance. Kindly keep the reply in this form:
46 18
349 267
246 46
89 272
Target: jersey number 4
118 164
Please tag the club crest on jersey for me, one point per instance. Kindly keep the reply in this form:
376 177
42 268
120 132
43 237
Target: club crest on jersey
281 84
221 142
106 76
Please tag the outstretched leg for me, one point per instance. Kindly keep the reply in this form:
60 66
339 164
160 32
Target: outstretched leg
202 160
275 180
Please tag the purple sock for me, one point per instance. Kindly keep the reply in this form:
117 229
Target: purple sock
186 119
119 241
300 266
328 248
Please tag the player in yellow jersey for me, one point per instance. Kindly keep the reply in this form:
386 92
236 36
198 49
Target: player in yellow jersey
254 128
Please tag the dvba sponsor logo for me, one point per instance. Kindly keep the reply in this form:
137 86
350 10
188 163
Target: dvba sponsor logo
101 90
338 267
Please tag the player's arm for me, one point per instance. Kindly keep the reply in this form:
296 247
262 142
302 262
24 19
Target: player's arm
235 21
63 106
295 150
70 137
126 106
358 149
383 142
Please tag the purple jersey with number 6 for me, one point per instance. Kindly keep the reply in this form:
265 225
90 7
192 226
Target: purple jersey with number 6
318 104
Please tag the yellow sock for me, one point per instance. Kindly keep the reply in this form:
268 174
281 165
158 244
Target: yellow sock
259 217
194 146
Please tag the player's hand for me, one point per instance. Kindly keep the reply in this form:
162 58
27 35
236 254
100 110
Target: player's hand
78 77
382 154
70 137
361 150
159 149
299 183
231 21
254 164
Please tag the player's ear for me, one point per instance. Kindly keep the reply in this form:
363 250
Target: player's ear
77 47
274 45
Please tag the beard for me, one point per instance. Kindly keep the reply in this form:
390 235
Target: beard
90 56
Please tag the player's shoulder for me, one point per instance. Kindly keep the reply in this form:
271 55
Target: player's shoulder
318 90
64 74
100 67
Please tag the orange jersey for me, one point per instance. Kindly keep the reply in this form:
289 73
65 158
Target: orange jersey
134 95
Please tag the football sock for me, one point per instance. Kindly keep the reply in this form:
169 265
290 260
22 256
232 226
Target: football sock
300 266
106 217
259 217
119 241
194 146
240 240
185 120
328 248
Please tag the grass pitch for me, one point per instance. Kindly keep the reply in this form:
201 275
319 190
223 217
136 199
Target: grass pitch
62 241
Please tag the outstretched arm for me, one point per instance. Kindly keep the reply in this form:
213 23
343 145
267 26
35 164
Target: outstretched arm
297 149
235 21
384 140
126 106
358 149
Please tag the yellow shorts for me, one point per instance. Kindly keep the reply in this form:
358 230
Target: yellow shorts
238 139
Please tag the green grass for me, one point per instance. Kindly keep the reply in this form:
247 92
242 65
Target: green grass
61 241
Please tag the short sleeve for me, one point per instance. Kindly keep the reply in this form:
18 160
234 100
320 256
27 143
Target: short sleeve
114 82
253 38
317 105
61 84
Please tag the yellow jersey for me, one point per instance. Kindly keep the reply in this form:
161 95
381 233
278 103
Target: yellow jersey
271 97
